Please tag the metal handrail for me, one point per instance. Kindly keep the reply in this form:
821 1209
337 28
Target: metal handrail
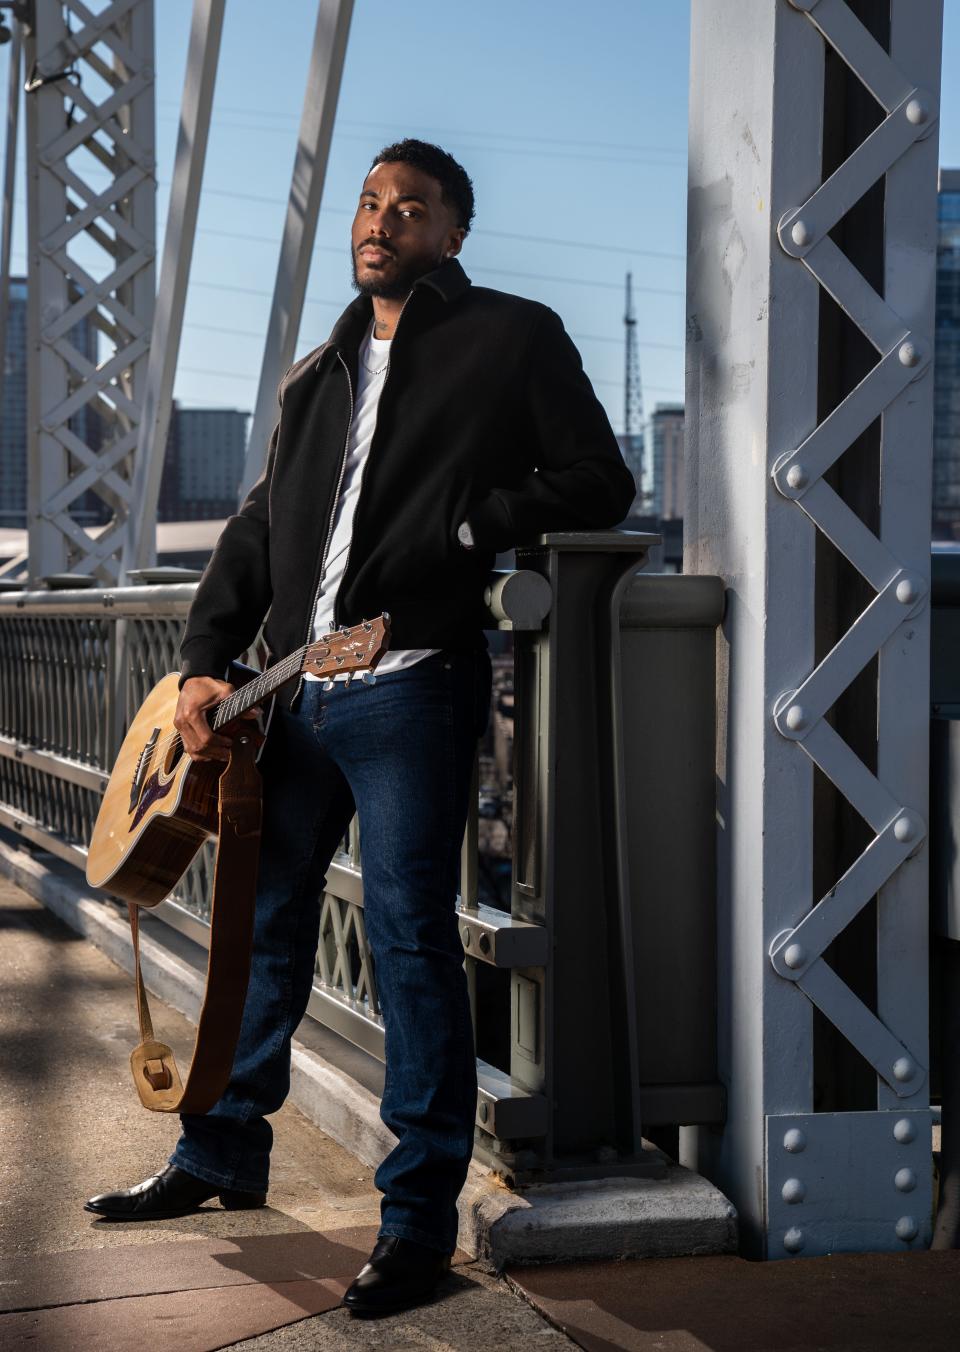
75 665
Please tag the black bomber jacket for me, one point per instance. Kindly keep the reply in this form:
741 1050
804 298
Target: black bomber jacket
486 415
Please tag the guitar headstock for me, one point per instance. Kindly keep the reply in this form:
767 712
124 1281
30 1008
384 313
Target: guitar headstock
357 648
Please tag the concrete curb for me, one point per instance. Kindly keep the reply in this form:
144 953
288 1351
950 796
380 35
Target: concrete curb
609 1218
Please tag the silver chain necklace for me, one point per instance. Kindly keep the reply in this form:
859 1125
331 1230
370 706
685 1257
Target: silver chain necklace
379 369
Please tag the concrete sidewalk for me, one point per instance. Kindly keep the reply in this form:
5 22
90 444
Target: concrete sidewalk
271 1280
71 1125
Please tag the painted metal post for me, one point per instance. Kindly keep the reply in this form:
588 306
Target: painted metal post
574 1035
9 175
63 117
139 546
762 496
300 227
13 566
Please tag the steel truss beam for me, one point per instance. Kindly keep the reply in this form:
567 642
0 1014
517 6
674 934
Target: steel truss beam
139 546
844 1180
90 109
300 225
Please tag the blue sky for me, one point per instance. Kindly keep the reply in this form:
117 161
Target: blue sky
571 121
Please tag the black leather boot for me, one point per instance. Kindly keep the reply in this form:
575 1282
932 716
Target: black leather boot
398 1274
172 1192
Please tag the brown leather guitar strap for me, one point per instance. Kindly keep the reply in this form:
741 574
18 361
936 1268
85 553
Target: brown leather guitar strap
154 1067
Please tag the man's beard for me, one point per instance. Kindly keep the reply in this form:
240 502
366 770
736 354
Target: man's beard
400 283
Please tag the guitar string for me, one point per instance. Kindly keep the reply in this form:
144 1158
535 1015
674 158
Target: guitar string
288 666
172 738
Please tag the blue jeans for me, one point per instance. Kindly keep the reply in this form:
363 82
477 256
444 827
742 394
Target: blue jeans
401 754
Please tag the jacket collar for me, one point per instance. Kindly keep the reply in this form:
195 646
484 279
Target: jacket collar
449 281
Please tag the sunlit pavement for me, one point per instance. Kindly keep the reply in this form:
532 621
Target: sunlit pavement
71 1125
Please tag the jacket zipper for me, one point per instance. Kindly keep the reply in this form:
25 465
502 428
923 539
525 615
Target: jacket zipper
333 509
336 496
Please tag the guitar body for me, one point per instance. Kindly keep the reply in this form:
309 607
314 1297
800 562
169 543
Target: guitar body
159 806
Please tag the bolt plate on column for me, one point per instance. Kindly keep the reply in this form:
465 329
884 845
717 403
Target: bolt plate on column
848 1183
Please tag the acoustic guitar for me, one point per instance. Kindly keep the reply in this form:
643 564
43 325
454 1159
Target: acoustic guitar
159 805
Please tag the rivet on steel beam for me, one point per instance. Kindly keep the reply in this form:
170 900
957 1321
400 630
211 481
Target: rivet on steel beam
793 1191
904 1131
483 943
909 354
795 956
903 1069
793 1240
465 936
917 112
801 234
904 828
905 1180
797 476
484 1112
796 718
907 1228
794 1141
907 591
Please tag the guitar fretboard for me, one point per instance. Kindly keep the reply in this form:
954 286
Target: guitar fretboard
257 690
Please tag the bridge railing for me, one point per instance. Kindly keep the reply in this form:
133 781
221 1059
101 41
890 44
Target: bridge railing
575 1065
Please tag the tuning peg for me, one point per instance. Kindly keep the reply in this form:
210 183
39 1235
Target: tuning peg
366 678
328 684
349 679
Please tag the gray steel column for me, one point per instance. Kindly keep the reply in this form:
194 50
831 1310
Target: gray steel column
767 423
300 226
9 176
574 1035
13 566
63 383
139 546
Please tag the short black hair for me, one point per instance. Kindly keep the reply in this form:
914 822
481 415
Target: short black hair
456 187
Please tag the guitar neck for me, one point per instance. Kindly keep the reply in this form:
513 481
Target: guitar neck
256 690
355 649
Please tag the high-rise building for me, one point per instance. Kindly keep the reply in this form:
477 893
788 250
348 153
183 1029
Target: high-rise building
666 450
13 411
203 464
85 423
631 448
946 369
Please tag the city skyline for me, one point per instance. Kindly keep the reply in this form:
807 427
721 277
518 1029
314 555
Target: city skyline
586 142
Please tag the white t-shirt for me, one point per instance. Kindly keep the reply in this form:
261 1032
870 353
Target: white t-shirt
371 373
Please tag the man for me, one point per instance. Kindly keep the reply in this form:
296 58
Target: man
439 424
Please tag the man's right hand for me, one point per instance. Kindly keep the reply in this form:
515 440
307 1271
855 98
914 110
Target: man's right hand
200 741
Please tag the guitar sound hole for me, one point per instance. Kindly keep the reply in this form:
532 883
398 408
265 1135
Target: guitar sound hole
174 753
